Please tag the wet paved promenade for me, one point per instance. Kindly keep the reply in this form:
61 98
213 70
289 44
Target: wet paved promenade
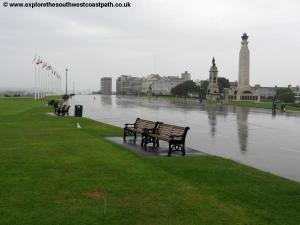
150 151
251 136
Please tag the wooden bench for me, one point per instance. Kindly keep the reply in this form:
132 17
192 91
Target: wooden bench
140 126
172 134
63 110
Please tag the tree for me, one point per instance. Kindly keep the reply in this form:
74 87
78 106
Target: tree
203 89
185 88
285 94
223 83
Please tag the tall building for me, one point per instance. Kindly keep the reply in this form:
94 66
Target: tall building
186 76
121 82
106 85
128 85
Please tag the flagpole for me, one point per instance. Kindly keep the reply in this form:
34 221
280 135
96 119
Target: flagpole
58 81
66 82
49 81
35 79
42 80
46 77
43 72
53 83
38 82
40 72
34 61
46 81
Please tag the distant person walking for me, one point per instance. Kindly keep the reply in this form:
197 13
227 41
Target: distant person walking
282 106
273 105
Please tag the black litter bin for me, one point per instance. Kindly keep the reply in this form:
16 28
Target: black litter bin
55 105
78 110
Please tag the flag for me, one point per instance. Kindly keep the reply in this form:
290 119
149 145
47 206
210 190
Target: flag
44 65
39 61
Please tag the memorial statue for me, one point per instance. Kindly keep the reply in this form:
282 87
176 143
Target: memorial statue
214 61
245 36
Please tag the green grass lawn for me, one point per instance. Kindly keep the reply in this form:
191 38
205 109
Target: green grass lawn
265 105
53 173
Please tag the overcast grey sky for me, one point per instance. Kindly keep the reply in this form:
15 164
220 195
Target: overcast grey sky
153 36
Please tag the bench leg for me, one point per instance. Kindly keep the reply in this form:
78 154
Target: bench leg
155 142
170 150
146 141
124 135
143 139
183 149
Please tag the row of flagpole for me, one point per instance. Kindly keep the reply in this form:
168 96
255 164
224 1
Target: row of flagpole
47 81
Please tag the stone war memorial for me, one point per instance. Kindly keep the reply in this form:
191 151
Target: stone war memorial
213 94
243 92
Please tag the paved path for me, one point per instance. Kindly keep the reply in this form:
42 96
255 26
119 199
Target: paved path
149 151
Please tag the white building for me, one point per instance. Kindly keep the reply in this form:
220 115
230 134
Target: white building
126 84
265 92
164 85
148 83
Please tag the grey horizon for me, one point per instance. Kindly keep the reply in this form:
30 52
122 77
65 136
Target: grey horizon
152 37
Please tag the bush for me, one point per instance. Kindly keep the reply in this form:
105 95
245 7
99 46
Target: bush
51 102
185 88
285 94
